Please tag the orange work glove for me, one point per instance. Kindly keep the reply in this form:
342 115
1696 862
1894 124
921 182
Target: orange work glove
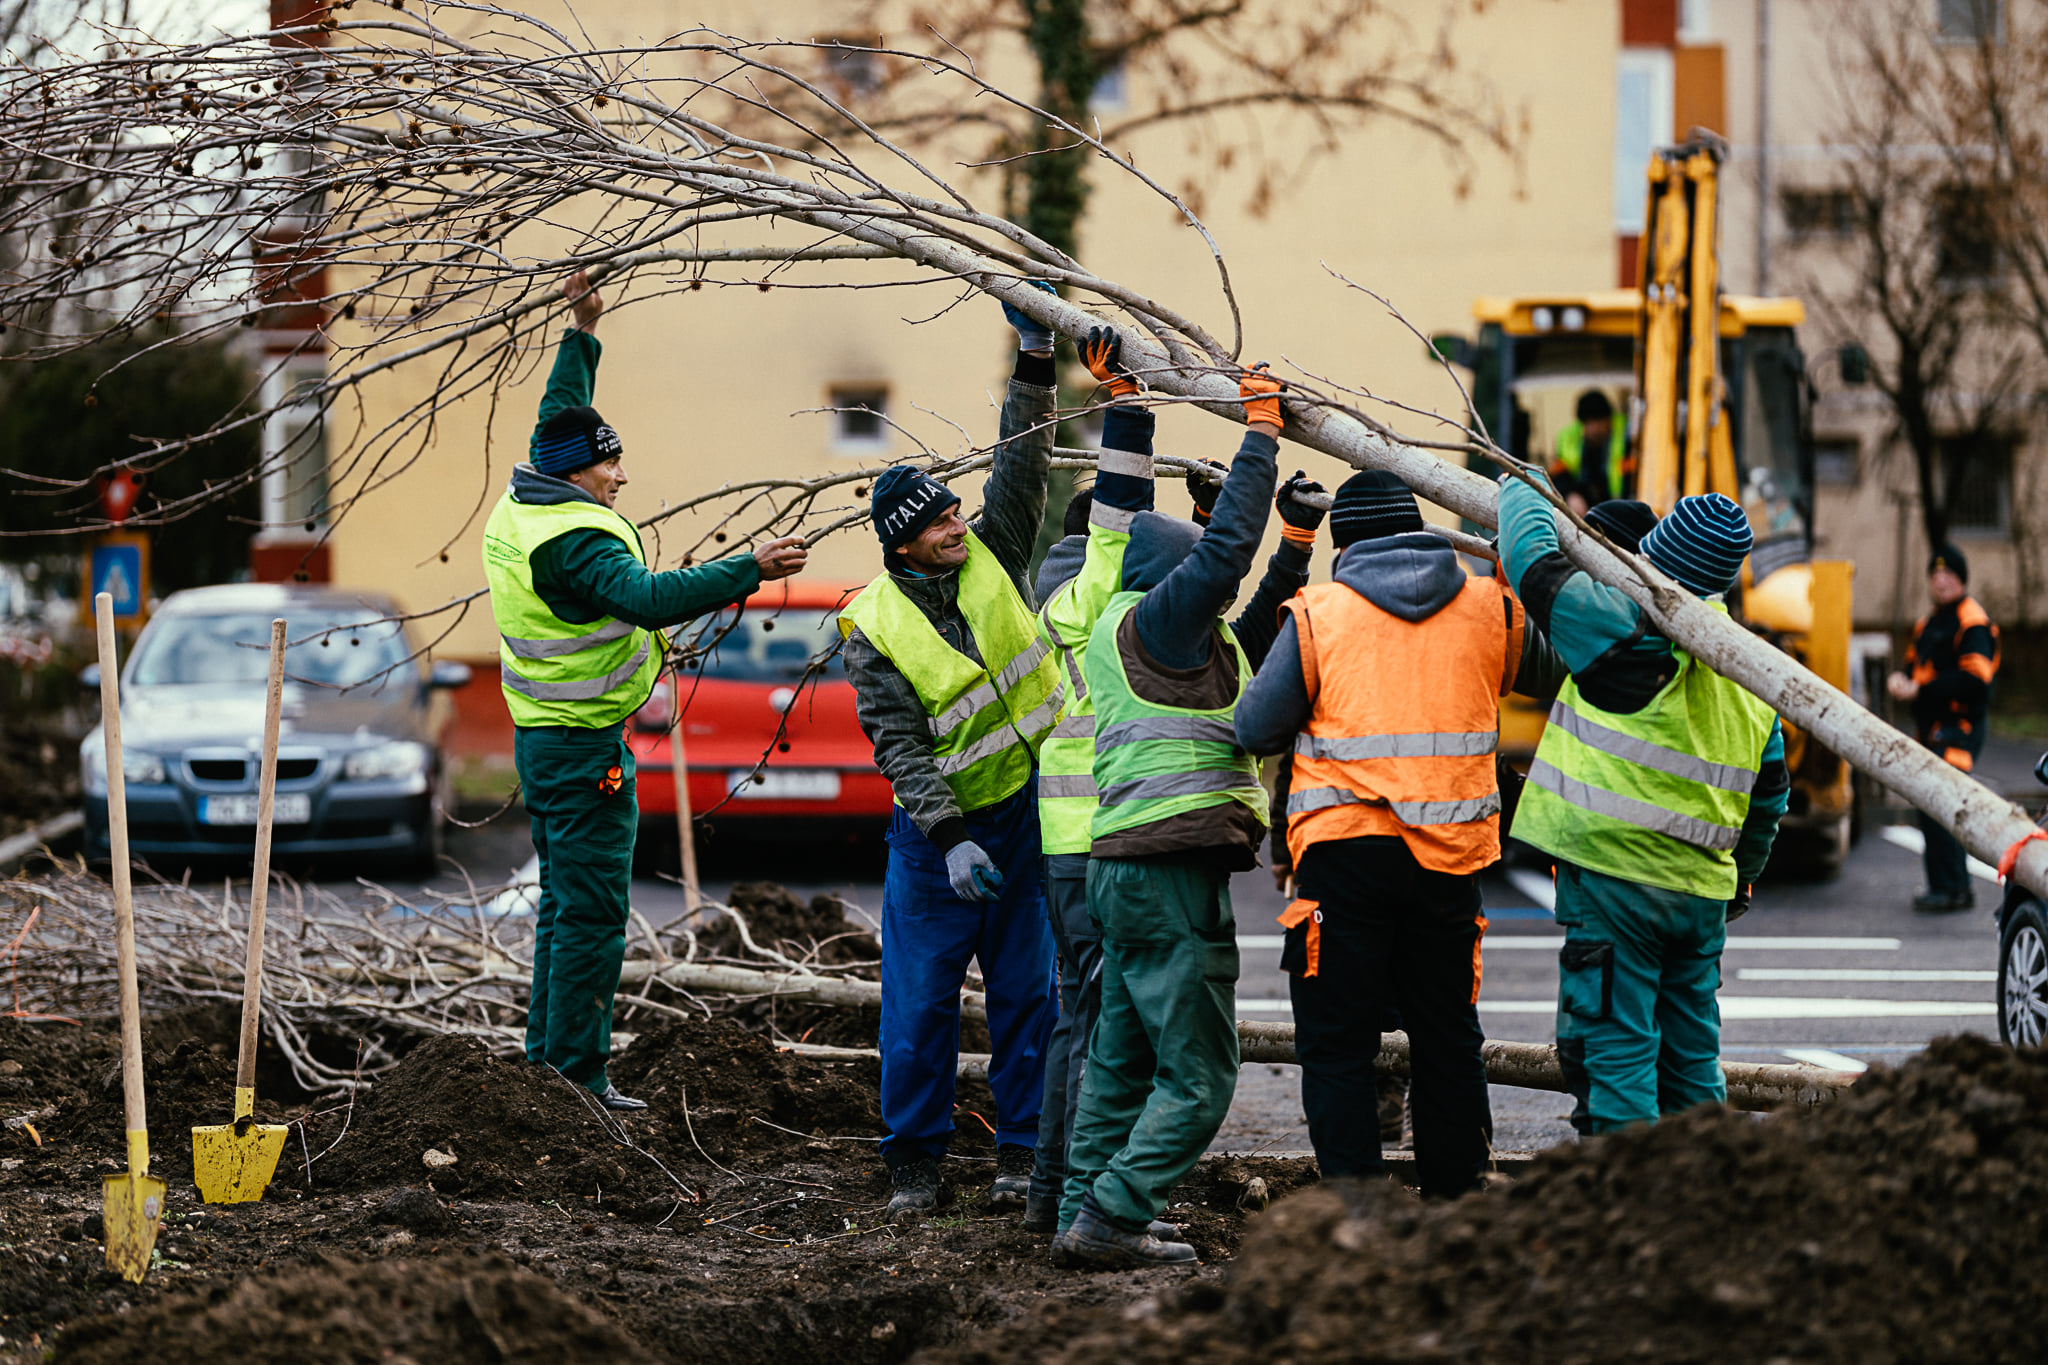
1103 354
1261 394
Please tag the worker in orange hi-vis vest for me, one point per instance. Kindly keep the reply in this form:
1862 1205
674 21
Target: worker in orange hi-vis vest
1385 685
1953 658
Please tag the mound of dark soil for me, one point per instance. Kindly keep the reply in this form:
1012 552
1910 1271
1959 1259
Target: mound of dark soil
781 923
515 1130
1906 1221
724 1073
348 1311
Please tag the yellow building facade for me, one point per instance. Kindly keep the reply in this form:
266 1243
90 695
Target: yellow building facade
727 383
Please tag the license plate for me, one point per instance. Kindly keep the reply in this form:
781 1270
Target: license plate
787 784
287 808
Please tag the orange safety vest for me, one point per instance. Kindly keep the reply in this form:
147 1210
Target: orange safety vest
1404 722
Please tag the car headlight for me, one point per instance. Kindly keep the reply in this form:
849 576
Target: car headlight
139 768
398 759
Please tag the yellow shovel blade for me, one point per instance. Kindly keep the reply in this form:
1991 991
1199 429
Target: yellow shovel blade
134 1209
233 1162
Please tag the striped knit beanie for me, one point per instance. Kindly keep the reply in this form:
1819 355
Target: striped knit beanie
1701 542
573 439
1372 504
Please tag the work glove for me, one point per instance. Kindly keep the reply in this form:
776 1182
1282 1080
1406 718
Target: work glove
974 874
1301 519
1261 394
1739 907
1204 492
1103 354
1031 336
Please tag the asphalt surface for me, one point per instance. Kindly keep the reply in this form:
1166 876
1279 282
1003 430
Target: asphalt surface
1837 974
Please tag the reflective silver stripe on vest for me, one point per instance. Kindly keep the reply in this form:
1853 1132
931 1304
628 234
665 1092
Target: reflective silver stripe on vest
555 649
970 705
1407 812
1728 777
1199 728
1020 667
989 745
588 690
1685 828
1041 719
1110 460
1419 744
1066 784
1073 663
1110 518
1075 727
1177 784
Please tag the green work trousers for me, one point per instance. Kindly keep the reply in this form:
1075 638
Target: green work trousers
585 814
1162 1065
1638 1027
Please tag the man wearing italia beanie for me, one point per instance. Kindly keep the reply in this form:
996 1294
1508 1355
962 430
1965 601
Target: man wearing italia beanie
1657 787
957 692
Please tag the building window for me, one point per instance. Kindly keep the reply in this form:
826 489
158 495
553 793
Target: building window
857 417
1970 21
1642 123
1814 214
295 450
1966 236
1835 460
852 71
1982 500
1110 94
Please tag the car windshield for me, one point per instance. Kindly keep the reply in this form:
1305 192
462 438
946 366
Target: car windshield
766 644
326 649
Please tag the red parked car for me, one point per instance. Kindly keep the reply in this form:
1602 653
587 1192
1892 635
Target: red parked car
734 700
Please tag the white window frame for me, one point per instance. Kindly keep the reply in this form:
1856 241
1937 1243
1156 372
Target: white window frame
840 398
1650 71
285 378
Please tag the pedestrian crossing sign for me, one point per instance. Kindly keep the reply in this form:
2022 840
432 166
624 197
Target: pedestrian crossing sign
118 564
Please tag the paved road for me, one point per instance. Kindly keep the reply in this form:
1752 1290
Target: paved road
1836 974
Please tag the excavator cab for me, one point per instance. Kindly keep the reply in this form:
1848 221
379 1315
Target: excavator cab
1715 398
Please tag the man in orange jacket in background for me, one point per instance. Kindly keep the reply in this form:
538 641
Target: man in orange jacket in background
1385 685
1953 657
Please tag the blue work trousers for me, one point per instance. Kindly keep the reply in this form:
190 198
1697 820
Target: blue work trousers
928 937
1638 1024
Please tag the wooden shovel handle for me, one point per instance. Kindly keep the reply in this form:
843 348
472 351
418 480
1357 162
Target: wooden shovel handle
117 850
259 889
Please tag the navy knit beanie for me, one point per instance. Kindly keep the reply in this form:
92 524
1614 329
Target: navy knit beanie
1950 558
1372 504
1701 542
574 439
1622 521
906 501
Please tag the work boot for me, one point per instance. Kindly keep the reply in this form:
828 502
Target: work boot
1012 1189
1041 1213
1095 1241
1943 902
624 1104
917 1190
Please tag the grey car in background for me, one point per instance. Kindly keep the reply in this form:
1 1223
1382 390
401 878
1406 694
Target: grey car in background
359 770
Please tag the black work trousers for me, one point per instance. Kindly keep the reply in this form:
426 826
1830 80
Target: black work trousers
1393 936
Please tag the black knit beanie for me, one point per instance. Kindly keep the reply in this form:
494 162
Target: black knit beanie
1622 521
906 501
1950 558
573 439
1372 504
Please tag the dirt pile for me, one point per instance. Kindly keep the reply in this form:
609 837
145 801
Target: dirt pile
817 931
1907 1221
346 1311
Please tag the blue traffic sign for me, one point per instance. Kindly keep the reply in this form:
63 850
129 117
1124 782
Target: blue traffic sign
119 567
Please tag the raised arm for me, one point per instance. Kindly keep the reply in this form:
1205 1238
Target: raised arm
1286 572
572 383
1013 507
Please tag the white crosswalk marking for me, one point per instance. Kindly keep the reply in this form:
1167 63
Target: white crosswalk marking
1863 974
1744 1007
1825 1059
1535 886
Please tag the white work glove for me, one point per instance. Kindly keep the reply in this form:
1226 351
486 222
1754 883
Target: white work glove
973 873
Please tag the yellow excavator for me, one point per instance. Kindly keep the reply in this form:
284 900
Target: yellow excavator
1714 390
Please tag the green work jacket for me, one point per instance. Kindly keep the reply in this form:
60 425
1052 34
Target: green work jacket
1656 796
558 672
1154 762
987 719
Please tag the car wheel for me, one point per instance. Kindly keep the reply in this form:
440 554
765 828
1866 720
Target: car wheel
2023 976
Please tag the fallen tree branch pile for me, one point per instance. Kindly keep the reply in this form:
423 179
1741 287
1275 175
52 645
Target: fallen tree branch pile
379 968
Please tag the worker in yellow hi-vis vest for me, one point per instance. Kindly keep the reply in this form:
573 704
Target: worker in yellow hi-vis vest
579 617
